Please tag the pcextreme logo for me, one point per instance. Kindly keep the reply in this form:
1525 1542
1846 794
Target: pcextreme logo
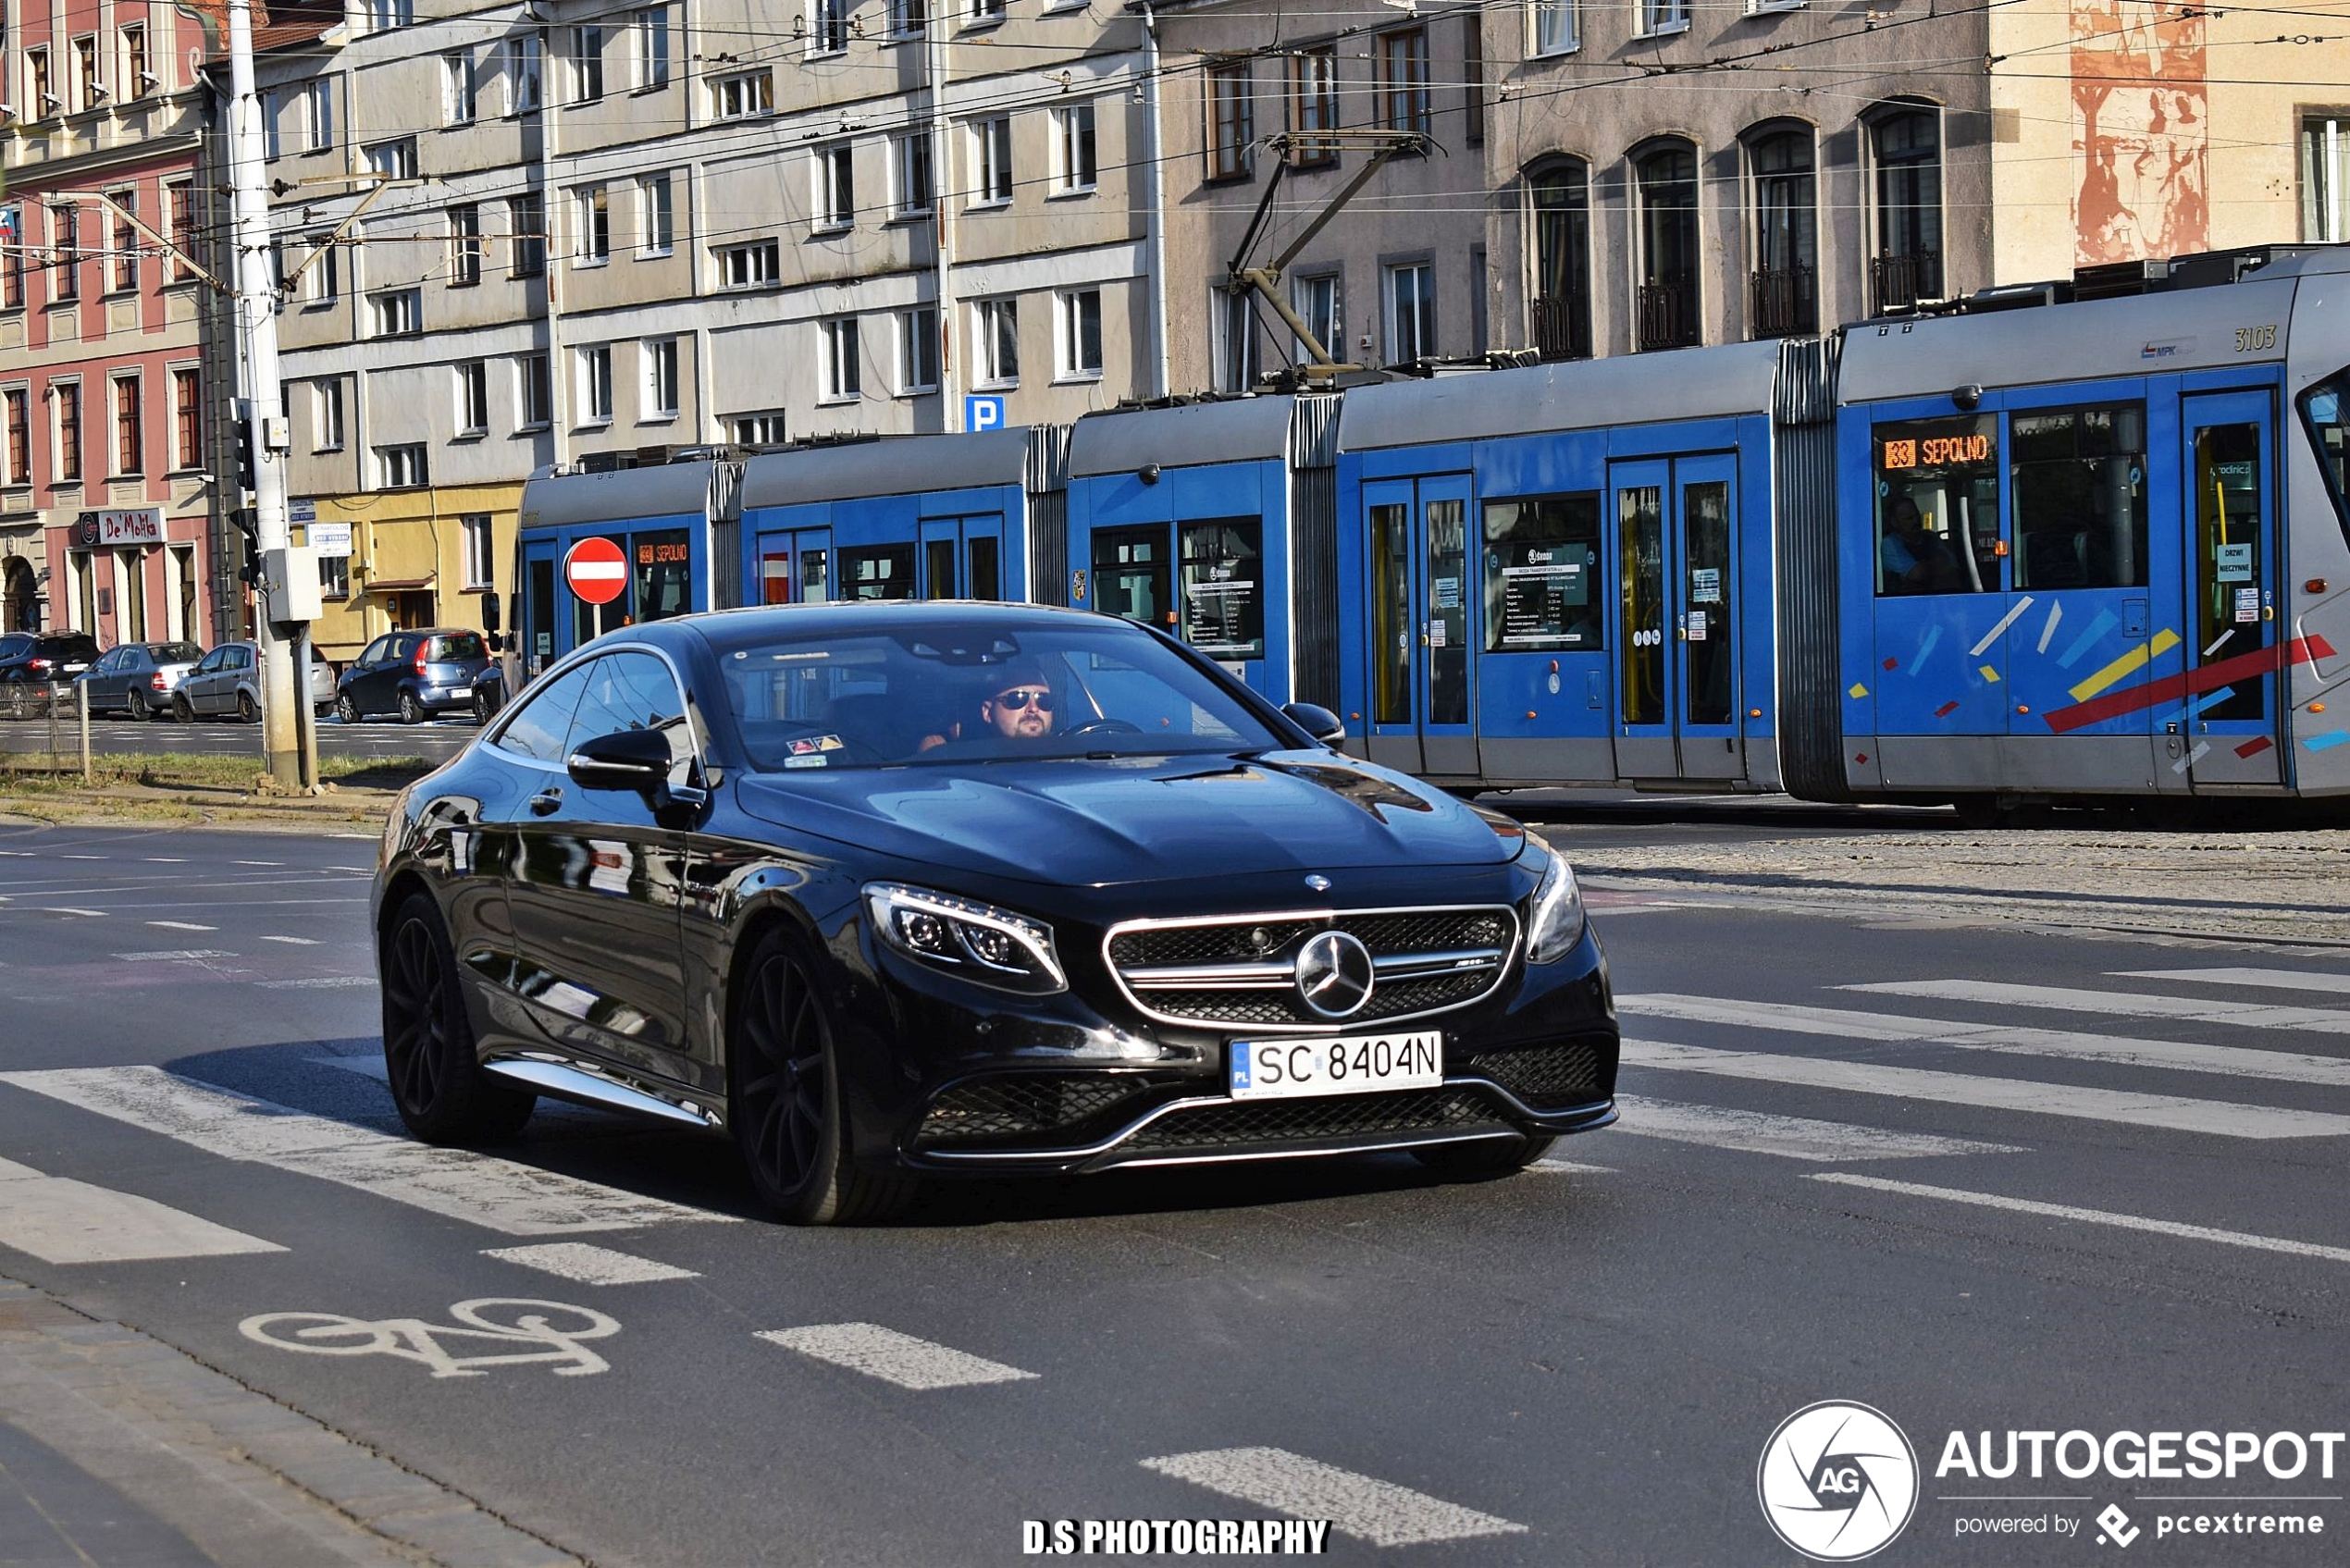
1838 1481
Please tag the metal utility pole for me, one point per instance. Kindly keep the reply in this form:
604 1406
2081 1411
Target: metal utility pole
256 315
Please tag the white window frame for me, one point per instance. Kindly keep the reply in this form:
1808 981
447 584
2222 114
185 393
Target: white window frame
533 392
325 415
322 280
1423 332
584 71
318 115
478 551
908 19
1567 12
991 161
908 149
403 466
917 350
1332 323
591 226
467 249
833 197
1069 334
723 256
656 216
990 319
1074 127
840 376
273 113
393 158
650 30
472 380
406 305
827 28
526 74
1660 19
460 92
743 96
764 428
594 384
657 360
985 13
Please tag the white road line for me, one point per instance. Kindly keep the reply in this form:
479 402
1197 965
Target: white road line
85 914
181 925
2211 1117
256 862
502 1196
318 982
2094 1217
892 1357
2270 979
1378 1511
2233 1061
1793 1138
60 1221
591 1265
167 859
2121 1004
81 857
1571 1167
174 954
293 941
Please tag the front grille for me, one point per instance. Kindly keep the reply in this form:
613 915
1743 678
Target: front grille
1565 1073
1043 1108
1251 1124
1149 962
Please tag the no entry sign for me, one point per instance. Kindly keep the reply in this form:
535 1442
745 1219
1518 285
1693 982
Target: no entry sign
595 571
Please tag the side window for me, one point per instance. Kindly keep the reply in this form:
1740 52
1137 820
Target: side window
2078 488
2325 417
1937 506
376 650
540 728
1130 574
242 659
1541 558
1224 588
633 691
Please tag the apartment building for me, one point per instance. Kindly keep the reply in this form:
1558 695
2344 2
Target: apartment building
109 520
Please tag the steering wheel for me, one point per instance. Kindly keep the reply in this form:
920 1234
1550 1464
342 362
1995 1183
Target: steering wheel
1104 727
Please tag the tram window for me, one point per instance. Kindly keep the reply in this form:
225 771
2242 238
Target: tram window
1937 506
2325 409
2080 496
664 575
1540 560
1131 577
986 575
878 572
1224 588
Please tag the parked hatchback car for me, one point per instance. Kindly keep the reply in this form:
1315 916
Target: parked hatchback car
28 660
138 677
226 684
414 675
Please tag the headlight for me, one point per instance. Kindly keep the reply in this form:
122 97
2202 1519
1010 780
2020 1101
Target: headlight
1557 924
978 941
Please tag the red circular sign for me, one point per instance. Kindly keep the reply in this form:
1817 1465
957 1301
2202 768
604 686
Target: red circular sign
597 571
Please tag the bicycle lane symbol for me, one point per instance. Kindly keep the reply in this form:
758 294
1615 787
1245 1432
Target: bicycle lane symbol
538 1332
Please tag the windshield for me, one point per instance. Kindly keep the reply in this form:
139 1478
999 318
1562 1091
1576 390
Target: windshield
947 693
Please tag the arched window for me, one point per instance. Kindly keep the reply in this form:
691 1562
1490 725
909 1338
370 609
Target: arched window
1782 295
1664 187
1560 194
1906 149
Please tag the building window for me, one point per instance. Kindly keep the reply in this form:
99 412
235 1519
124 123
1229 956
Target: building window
660 358
1403 79
586 64
401 467
827 26
651 29
459 101
273 116
322 272
87 92
1315 297
124 272
748 267
1313 105
12 263
756 429
395 159
595 384
1078 334
986 11
1230 122
473 397
525 55
39 92
534 391
476 551
911 195
1783 290
334 576
326 411
526 218
992 152
591 220
1233 311
18 402
908 19
136 78
835 189
1664 192
1906 148
917 349
68 401
464 245
1411 312
2325 211
65 235
742 95
318 115
187 419
1663 15
840 382
180 225
995 326
1560 194
396 313
384 14
1073 158
656 218
1472 77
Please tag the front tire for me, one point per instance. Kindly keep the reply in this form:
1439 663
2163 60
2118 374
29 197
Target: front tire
1485 1156
784 1099
346 709
437 1081
182 711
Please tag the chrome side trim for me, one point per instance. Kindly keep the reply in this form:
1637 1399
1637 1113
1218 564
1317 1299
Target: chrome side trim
1378 1142
575 1081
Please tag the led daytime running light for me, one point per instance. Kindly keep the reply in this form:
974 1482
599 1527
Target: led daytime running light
966 938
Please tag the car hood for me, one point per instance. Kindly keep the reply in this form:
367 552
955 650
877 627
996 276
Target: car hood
1097 822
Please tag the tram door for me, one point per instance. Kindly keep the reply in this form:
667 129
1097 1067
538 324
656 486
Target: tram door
963 557
795 566
1423 620
540 568
2228 722
1676 674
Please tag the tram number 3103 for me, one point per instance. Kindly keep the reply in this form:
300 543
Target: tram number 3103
2256 339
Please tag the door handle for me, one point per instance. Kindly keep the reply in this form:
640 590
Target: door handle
546 802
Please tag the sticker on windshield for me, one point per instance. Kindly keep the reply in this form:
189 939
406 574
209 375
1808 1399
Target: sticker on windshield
817 760
809 746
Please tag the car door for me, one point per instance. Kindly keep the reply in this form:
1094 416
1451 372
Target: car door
197 687
361 680
595 885
105 681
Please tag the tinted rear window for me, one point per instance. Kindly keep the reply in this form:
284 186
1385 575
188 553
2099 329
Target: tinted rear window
465 644
175 652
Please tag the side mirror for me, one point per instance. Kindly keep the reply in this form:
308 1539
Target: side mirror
490 612
1320 722
637 760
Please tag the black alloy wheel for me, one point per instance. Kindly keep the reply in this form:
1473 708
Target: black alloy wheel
436 1082
182 711
1485 1156
411 710
483 707
247 709
345 709
784 1099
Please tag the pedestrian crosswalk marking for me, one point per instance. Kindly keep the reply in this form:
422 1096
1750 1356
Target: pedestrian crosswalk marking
174 954
60 1221
498 1194
2094 1217
2237 1061
2169 1111
319 983
894 1357
1793 1137
2120 1004
293 941
591 1265
1378 1511
2271 980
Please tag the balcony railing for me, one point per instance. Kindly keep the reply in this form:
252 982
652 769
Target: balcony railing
1562 328
1899 282
1782 302
1666 312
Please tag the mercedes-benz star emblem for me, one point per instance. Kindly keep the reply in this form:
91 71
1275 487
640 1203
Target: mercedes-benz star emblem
1318 883
1334 975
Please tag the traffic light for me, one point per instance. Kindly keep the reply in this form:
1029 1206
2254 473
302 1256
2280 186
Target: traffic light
247 476
248 524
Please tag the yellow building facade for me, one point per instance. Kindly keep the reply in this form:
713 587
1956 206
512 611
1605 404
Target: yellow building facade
416 558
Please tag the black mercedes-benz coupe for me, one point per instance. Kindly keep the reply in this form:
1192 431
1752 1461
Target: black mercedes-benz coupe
890 890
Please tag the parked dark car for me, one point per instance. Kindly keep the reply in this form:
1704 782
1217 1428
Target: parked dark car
227 685
31 660
900 890
137 678
414 675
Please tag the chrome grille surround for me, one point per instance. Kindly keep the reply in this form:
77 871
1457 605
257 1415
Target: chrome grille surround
1429 959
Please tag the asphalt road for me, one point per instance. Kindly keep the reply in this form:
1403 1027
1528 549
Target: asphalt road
436 740
2111 1203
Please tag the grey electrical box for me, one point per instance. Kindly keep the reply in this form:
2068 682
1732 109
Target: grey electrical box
290 577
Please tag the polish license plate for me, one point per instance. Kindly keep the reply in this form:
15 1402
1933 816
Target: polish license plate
1346 1064
461 691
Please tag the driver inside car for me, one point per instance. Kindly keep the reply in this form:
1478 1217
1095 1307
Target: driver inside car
1019 707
